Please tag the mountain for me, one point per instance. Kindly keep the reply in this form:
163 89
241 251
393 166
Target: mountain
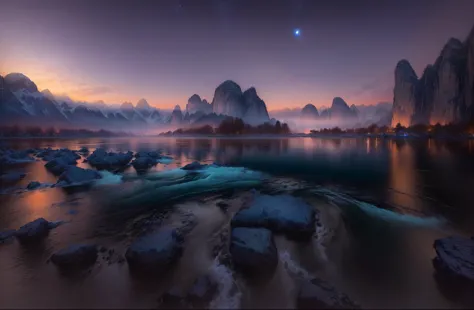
229 100
341 110
23 103
256 111
309 111
195 104
444 93
176 116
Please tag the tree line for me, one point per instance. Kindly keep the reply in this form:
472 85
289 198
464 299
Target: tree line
36 131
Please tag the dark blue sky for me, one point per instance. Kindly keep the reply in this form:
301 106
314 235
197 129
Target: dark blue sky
167 50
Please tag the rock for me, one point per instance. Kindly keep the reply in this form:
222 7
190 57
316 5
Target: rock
33 231
203 288
58 165
280 213
404 100
195 165
33 185
154 252
173 298
318 294
49 154
109 161
75 256
253 251
309 112
144 163
75 176
7 235
11 177
255 109
455 257
10 157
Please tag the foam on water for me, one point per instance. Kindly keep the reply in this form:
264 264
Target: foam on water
383 214
108 178
228 295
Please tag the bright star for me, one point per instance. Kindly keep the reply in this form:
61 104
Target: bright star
297 32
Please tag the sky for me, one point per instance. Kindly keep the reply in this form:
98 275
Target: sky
167 50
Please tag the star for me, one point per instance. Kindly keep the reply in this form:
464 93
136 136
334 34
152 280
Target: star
297 32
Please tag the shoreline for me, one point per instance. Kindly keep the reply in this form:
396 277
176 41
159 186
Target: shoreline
256 136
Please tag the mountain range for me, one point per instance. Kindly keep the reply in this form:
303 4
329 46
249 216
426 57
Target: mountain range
445 91
22 103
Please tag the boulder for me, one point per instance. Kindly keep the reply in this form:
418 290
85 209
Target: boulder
15 157
154 252
107 161
33 231
152 154
253 251
58 165
195 165
7 235
318 294
281 213
75 176
33 185
455 257
144 163
83 150
75 256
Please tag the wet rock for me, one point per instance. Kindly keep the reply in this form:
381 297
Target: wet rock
253 250
194 166
203 289
144 163
280 213
154 252
33 185
80 255
59 165
67 155
455 257
75 176
318 294
109 161
7 235
33 231
11 177
10 157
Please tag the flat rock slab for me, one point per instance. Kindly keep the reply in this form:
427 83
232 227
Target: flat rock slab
74 256
33 231
280 213
253 251
318 294
455 256
155 252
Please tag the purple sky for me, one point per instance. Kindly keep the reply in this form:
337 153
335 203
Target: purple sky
167 50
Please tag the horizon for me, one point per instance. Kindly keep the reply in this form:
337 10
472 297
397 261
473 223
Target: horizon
74 49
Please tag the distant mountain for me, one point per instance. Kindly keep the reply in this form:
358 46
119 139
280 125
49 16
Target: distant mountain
309 112
195 104
229 100
23 104
445 91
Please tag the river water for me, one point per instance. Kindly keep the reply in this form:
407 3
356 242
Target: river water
383 203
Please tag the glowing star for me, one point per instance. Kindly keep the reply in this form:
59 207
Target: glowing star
297 32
